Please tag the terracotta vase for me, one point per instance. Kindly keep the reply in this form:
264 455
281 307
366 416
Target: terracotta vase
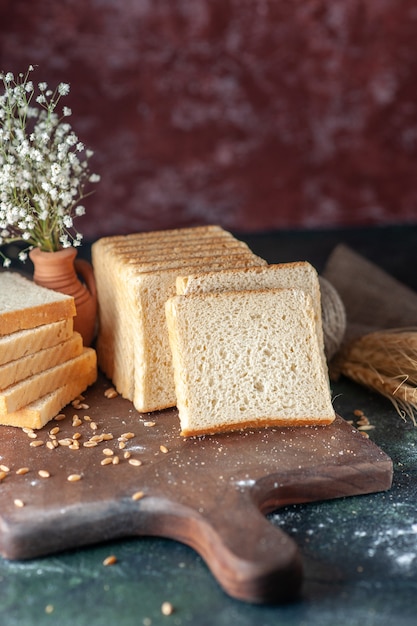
60 271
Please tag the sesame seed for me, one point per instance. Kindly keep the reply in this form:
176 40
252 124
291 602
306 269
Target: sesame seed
163 449
138 495
44 473
19 503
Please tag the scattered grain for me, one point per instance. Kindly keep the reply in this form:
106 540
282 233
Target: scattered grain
115 460
357 413
22 470
93 426
126 436
49 609
67 441
106 461
108 452
76 436
74 478
3 475
122 445
110 560
111 393
149 424
44 474
167 608
60 417
87 418
135 462
52 444
54 431
366 427
138 495
19 503
36 444
90 444
163 449
126 455
4 468
32 435
76 421
107 436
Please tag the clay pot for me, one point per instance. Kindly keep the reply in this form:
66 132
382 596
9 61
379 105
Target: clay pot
60 271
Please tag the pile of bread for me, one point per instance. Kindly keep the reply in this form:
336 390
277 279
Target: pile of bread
43 363
193 318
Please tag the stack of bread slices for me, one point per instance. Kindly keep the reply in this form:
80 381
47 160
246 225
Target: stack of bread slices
248 349
43 363
135 276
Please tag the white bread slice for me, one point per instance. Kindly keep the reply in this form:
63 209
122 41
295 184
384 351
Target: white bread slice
246 359
15 371
36 414
31 389
24 304
297 275
25 342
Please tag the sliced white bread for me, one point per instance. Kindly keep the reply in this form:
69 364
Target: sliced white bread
132 329
247 359
15 371
25 342
298 275
24 304
30 389
38 413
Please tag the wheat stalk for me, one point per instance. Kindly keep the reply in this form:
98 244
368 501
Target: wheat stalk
386 361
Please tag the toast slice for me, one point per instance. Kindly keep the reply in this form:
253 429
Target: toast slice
25 342
24 304
38 413
246 359
23 393
15 371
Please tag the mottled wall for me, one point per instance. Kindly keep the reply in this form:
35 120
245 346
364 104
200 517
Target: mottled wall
254 114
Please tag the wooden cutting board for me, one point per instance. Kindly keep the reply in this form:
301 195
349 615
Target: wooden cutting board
211 493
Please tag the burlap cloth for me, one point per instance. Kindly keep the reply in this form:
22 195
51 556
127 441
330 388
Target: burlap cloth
373 299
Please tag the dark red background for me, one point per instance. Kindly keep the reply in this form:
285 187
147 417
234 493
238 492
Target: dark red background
255 114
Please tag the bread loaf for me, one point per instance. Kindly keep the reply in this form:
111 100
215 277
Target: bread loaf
247 359
38 413
132 344
25 342
30 389
24 304
15 371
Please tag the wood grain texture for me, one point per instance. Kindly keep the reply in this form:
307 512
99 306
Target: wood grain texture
210 493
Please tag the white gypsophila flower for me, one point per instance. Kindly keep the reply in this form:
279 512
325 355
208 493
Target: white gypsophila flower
42 179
